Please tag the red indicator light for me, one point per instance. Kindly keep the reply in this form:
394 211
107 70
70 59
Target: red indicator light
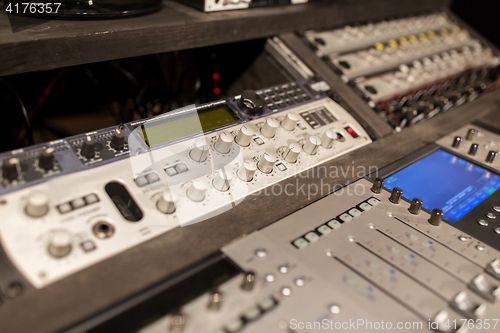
216 91
351 131
215 76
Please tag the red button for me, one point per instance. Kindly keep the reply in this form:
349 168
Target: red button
351 131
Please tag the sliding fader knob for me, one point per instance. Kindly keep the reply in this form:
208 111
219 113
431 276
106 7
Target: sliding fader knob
415 206
290 121
11 169
490 158
327 139
37 204
292 152
312 144
118 139
166 202
224 142
378 185
247 170
222 180
46 159
244 136
196 191
60 243
270 127
88 148
436 217
266 163
396 194
200 151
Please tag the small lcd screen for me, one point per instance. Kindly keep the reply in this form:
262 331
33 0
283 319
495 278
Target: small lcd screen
187 125
445 181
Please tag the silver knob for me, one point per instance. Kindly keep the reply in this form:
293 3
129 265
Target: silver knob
222 180
456 142
196 191
416 205
270 127
436 217
200 151
396 194
327 139
292 152
37 204
244 136
59 243
473 149
177 323
248 281
312 144
247 170
215 301
266 163
290 121
378 185
490 158
224 142
471 134
166 202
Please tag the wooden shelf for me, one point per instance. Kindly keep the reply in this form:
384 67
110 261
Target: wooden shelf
49 44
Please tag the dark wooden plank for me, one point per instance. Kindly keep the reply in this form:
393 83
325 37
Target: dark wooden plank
96 288
58 43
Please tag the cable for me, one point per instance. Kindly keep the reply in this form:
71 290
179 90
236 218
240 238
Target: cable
27 124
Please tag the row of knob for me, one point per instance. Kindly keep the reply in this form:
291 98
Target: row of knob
117 142
490 157
11 168
415 206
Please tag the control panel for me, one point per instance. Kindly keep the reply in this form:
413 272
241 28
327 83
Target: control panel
220 5
362 258
110 190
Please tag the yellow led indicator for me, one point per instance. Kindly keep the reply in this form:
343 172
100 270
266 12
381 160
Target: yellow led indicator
413 39
393 43
456 29
444 32
403 41
422 36
379 46
431 34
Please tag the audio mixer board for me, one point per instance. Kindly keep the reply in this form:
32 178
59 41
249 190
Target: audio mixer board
412 243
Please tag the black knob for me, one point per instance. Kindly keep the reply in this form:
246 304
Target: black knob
416 205
491 156
250 102
436 217
473 149
88 148
471 134
377 186
11 169
46 160
456 142
395 197
118 139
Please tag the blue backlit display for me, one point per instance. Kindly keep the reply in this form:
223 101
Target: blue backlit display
445 181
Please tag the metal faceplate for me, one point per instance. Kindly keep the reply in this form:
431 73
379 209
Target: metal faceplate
93 228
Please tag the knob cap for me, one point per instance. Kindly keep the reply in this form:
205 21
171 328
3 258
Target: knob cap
456 142
270 127
290 121
118 139
166 202
11 169
377 186
292 152
250 102
248 281
327 139
490 158
224 142
266 163
88 148
471 134
37 204
416 205
46 160
59 243
196 191
473 149
247 170
312 144
215 301
436 217
222 180
244 136
395 197
200 151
